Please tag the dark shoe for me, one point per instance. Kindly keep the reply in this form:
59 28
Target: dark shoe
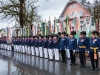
83 66
96 69
71 63
65 62
62 62
92 68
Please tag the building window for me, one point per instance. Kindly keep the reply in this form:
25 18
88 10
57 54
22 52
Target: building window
73 6
73 13
80 12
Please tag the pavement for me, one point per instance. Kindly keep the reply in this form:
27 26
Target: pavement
12 63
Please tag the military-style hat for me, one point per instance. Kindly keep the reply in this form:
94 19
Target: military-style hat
50 36
84 32
55 35
73 33
59 33
33 36
63 33
95 33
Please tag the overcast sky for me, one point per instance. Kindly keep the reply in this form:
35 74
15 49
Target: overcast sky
47 9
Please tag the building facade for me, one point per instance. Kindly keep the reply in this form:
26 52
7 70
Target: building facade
79 16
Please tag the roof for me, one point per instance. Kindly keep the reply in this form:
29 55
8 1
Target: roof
84 5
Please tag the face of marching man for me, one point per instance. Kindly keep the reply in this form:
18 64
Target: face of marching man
50 38
81 36
44 38
71 36
54 38
40 37
36 38
92 36
62 35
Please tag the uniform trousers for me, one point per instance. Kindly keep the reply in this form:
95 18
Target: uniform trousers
45 53
37 51
72 56
33 50
50 51
82 58
63 53
67 53
56 54
94 62
41 51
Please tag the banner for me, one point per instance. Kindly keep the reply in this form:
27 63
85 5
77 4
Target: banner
67 27
8 34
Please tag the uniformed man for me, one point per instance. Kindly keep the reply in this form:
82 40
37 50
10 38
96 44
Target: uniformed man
29 45
45 47
40 45
36 46
56 47
82 45
67 50
62 47
59 34
72 45
94 45
50 47
32 45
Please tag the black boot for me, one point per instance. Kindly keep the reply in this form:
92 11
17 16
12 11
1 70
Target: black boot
83 66
96 69
92 68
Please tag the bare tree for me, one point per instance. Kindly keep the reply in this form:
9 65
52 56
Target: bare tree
23 11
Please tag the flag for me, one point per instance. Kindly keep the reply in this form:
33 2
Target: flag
34 30
28 30
49 27
8 34
55 26
67 27
45 29
89 29
60 26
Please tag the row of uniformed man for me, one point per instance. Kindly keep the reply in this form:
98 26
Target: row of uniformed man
48 47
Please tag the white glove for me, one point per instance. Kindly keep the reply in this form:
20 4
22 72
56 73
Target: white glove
88 51
74 51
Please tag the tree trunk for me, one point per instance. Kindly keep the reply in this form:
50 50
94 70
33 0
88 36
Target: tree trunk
21 13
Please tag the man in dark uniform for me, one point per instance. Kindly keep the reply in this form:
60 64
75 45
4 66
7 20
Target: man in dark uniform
82 45
40 44
56 47
94 46
32 45
50 47
72 45
45 47
36 45
62 47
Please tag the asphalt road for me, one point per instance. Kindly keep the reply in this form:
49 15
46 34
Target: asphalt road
22 64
